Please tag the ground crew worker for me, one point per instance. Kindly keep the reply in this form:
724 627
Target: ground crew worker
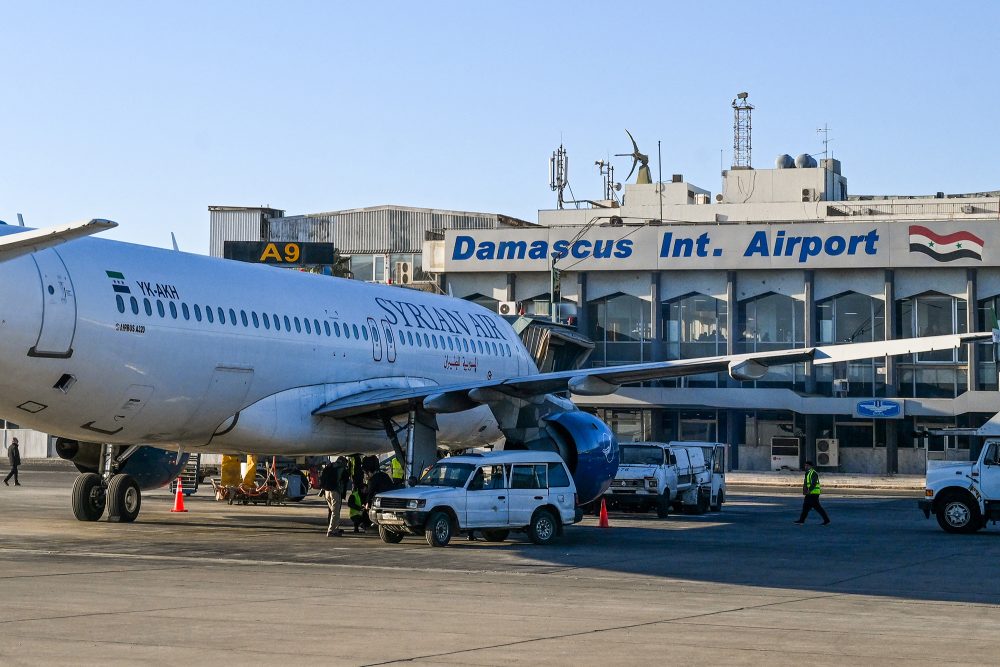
397 471
811 491
357 508
14 456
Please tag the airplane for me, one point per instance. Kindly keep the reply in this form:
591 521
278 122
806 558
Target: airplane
135 356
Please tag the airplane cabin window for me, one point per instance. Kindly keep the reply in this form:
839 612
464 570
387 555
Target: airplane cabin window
197 312
465 344
232 317
409 338
298 326
326 329
402 340
121 303
209 315
427 341
451 345
375 335
148 307
185 311
336 329
135 305
364 332
316 326
435 341
159 309
243 318
276 321
288 323
173 310
354 328
256 322
305 321
222 315
267 321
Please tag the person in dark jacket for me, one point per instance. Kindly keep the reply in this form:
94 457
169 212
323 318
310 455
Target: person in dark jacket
14 456
811 491
333 482
376 482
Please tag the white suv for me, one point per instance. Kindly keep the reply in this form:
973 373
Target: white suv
492 493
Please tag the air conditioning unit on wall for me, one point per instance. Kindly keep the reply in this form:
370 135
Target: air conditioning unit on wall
784 453
827 452
507 308
402 273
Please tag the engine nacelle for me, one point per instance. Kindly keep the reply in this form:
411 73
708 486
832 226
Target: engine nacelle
589 448
151 467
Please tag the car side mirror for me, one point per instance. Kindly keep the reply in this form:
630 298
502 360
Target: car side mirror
412 481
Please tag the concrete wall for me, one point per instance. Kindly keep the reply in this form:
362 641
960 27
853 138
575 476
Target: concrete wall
912 461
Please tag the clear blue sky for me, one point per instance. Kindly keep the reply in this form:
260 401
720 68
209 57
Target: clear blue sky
147 113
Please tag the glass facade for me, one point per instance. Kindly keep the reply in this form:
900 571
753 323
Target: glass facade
620 328
773 322
939 374
851 318
696 326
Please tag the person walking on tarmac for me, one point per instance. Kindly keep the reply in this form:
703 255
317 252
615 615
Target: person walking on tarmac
811 491
14 456
333 482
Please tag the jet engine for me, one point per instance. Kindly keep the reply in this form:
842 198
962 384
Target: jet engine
589 448
151 467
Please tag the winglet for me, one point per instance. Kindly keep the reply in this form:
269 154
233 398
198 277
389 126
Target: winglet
15 245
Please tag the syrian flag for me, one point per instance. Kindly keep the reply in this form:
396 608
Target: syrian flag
945 247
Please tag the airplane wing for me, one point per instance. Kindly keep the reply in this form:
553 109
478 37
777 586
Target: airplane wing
607 380
23 243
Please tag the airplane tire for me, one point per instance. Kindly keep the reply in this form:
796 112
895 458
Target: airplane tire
88 497
389 536
124 499
437 531
498 535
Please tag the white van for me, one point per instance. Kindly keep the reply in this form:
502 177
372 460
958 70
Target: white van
493 493
664 476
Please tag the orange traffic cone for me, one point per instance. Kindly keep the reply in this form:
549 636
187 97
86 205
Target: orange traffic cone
179 498
603 523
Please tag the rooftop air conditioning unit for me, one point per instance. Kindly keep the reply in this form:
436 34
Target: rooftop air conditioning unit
968 208
784 453
402 273
841 386
827 452
507 308
808 194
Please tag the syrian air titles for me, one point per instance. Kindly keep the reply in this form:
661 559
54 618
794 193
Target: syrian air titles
436 318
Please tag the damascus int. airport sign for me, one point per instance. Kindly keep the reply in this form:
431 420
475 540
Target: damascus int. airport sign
730 246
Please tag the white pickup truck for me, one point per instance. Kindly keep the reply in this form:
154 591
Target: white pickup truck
664 476
964 495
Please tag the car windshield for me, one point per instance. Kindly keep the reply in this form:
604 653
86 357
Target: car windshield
639 455
447 474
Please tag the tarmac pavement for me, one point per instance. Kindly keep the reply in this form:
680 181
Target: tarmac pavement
228 584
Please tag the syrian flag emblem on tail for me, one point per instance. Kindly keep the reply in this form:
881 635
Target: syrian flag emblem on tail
945 247
118 281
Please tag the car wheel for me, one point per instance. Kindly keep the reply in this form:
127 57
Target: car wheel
389 536
543 527
495 535
663 507
719 499
958 514
437 531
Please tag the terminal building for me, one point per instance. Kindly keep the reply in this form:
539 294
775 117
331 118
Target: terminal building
780 258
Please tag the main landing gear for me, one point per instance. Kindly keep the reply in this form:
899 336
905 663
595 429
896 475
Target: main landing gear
107 489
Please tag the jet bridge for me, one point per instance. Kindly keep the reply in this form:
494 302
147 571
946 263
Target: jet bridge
553 346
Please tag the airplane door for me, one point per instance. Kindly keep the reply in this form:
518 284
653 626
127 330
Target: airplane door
55 339
390 342
376 339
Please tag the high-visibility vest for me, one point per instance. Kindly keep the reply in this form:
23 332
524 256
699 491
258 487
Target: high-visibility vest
810 477
356 497
397 469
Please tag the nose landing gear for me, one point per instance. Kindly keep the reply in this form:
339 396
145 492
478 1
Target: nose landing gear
107 489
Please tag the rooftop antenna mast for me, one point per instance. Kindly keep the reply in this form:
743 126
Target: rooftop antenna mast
742 111
559 174
825 131
610 187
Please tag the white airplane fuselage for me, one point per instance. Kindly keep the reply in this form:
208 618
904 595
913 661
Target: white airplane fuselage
103 341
